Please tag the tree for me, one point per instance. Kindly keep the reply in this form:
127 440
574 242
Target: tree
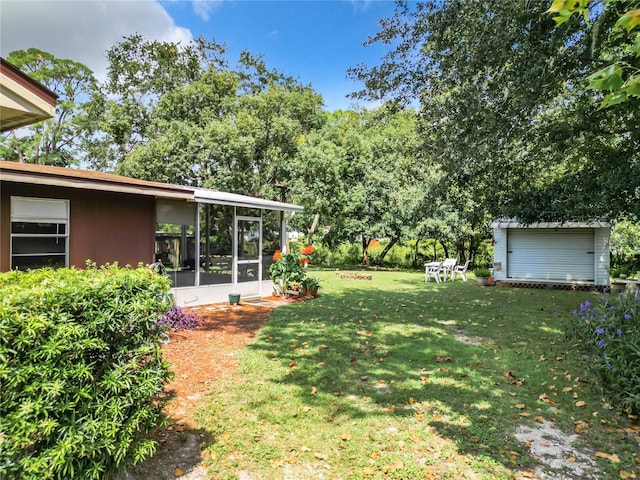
621 78
140 72
56 141
210 134
504 112
360 175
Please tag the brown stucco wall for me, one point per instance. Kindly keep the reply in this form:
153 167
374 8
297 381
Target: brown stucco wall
103 226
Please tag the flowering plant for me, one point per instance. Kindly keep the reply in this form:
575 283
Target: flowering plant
608 335
286 271
305 255
307 250
179 319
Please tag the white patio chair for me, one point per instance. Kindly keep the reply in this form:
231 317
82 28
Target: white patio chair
447 267
432 269
460 269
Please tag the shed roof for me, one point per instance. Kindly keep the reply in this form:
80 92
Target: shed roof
513 223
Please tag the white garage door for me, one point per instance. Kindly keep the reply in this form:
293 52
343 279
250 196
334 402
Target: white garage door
561 255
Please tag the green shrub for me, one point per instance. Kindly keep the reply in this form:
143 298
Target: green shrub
481 272
608 335
81 370
346 254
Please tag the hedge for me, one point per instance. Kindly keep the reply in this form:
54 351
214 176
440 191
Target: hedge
81 370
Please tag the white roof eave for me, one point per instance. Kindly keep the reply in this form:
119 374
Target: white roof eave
511 223
203 195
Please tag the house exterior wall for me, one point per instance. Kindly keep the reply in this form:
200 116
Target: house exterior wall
600 257
104 227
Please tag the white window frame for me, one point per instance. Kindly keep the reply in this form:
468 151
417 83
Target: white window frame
40 210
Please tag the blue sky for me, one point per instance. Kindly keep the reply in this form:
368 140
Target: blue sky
314 41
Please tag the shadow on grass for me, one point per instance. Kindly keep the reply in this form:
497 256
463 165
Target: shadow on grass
454 357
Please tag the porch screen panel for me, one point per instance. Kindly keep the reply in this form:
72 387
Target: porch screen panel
216 244
271 223
175 241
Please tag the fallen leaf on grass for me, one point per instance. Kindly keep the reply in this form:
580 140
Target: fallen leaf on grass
443 359
321 456
527 474
580 426
394 466
539 419
581 403
612 457
178 472
625 475
519 406
313 390
345 436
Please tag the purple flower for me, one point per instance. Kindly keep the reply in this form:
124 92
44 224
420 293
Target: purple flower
586 304
601 343
608 366
619 331
612 308
600 331
627 316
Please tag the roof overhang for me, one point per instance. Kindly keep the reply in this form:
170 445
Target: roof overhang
23 101
203 195
510 223
88 180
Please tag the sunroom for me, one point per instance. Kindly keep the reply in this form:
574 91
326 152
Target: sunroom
219 244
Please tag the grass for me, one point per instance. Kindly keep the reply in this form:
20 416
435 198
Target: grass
398 378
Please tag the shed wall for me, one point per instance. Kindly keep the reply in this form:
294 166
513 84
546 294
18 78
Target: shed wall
558 258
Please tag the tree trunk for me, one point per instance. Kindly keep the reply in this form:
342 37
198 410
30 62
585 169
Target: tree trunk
386 249
15 140
365 252
311 230
444 247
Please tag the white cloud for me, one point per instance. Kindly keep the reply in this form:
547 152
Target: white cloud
83 31
360 5
203 8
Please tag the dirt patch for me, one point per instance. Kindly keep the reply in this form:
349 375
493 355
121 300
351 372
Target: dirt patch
558 458
199 359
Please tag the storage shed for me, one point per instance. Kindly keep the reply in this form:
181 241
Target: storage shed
574 253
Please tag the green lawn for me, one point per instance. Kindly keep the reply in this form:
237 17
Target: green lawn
398 378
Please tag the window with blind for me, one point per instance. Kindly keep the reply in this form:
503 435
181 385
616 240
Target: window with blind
39 233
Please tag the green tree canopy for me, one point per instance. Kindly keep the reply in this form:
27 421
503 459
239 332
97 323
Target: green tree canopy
504 109
56 141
